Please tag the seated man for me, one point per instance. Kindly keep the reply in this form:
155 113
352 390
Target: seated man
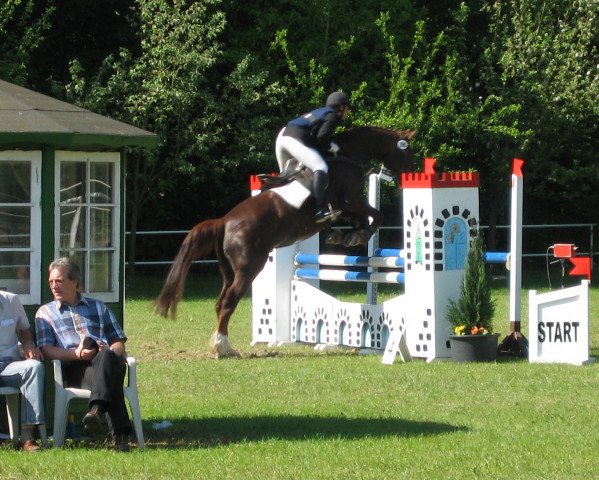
26 374
85 336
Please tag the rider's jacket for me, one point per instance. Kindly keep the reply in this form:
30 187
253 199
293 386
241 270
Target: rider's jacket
314 128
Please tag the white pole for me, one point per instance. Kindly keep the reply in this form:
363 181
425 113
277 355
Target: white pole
374 199
516 245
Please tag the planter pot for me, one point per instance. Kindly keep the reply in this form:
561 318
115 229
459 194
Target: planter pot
474 348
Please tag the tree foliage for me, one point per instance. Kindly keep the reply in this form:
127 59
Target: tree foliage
23 25
482 81
549 62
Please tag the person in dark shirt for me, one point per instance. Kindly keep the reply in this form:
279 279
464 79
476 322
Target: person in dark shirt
307 137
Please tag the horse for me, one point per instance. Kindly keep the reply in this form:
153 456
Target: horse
242 239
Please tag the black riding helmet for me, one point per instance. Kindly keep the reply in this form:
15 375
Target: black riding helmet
337 99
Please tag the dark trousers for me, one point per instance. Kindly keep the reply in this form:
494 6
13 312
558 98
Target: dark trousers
104 377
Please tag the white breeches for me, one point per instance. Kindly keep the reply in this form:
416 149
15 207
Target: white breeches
289 147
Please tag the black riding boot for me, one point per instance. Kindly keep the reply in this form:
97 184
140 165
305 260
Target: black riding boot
321 180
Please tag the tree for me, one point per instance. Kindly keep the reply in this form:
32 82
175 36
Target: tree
83 29
445 88
549 60
211 113
166 89
22 28
482 81
472 313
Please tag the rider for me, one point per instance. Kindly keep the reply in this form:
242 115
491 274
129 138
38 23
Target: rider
306 137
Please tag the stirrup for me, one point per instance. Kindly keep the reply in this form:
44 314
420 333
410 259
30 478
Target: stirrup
323 215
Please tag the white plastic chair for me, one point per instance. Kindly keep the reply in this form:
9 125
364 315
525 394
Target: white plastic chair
63 395
13 407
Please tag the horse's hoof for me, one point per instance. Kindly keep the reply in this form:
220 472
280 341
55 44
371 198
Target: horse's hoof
363 239
356 239
230 354
221 347
351 240
335 238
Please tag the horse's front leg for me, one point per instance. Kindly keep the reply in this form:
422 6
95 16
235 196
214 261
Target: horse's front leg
364 229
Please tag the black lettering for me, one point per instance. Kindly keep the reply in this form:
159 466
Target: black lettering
567 327
575 325
565 332
550 328
558 333
541 334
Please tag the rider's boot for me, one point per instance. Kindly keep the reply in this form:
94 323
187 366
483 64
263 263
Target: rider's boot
321 180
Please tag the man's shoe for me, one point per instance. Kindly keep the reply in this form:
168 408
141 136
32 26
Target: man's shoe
92 420
121 443
30 446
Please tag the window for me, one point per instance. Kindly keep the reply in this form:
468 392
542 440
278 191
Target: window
456 243
87 218
20 224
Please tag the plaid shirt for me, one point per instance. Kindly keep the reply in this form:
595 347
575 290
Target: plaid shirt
64 325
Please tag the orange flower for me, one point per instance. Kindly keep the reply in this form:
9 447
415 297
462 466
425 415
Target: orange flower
474 330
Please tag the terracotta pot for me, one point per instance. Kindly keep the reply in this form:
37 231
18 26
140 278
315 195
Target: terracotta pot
474 348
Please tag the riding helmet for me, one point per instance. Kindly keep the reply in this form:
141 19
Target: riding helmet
337 99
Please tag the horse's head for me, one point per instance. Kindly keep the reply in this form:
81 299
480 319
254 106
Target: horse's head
397 154
391 147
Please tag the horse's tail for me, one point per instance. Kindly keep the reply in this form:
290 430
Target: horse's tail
199 243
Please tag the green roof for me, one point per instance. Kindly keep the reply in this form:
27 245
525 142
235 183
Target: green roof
28 118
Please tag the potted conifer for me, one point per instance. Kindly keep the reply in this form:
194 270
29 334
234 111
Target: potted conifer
471 317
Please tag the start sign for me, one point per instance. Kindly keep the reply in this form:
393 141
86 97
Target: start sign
558 325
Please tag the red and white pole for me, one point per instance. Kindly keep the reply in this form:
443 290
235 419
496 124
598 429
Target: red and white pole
515 342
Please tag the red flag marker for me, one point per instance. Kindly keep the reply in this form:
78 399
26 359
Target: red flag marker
582 266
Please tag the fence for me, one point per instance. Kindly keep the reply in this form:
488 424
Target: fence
158 251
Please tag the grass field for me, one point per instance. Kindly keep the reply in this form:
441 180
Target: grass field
293 413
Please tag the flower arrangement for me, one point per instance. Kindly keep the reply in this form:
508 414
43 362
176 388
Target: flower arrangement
473 313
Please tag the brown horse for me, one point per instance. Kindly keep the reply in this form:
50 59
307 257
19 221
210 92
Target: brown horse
242 239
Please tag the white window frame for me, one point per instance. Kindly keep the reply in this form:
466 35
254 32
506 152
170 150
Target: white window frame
34 157
88 158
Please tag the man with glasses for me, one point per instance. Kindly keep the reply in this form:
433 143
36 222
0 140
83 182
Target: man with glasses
85 336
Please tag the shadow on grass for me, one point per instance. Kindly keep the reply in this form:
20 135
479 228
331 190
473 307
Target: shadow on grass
218 431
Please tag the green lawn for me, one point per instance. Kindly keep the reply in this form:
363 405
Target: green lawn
293 413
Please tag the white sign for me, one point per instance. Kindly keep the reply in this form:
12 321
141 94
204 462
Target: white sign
558 325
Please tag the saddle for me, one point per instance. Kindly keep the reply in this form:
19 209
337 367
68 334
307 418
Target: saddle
293 170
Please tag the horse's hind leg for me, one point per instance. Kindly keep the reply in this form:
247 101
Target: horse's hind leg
228 275
219 341
228 301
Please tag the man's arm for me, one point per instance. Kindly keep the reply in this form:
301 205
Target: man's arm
79 353
52 352
29 348
118 347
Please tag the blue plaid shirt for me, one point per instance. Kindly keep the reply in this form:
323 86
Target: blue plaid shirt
64 325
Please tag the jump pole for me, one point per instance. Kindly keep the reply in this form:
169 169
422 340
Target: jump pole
515 343
374 198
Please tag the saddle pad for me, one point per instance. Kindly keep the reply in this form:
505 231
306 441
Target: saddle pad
294 193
